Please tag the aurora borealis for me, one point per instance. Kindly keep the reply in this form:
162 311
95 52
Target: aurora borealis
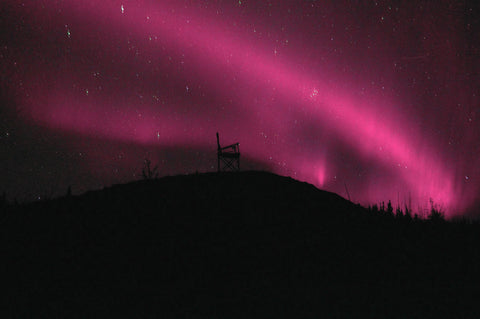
377 96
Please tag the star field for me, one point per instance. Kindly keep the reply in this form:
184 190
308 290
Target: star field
380 96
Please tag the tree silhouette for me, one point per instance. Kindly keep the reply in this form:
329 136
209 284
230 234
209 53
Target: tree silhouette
390 208
147 171
408 213
399 213
436 213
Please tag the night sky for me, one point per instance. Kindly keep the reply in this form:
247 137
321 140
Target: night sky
377 97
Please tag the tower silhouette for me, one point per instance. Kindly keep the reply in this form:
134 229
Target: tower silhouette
228 157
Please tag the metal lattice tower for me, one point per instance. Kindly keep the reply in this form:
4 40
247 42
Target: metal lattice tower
228 157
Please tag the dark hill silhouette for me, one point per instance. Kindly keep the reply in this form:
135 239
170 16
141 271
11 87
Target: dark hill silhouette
231 245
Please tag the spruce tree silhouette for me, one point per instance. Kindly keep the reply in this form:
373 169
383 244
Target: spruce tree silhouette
436 215
389 208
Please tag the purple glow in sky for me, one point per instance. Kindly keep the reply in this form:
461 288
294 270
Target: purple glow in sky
379 96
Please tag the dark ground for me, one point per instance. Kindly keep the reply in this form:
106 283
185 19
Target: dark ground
239 245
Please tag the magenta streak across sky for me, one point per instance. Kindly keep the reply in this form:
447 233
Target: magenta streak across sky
357 123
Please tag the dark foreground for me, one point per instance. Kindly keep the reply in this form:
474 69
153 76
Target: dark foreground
247 245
